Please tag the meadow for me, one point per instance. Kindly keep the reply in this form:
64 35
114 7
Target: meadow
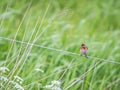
40 44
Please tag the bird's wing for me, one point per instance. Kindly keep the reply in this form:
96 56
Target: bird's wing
87 48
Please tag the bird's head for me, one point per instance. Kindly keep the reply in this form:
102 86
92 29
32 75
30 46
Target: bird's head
83 45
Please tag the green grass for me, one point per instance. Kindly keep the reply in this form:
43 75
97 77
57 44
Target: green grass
60 26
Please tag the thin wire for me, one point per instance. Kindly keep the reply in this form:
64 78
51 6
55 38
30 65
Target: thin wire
58 50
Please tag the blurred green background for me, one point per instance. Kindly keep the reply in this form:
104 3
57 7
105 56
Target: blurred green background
62 25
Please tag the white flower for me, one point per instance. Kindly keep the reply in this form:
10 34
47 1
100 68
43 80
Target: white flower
12 82
39 70
19 87
55 85
1 85
20 82
4 69
18 79
56 88
48 86
2 78
16 85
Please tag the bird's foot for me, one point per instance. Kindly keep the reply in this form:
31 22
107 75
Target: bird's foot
86 56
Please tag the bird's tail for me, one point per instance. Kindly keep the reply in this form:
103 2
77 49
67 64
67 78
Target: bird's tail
86 55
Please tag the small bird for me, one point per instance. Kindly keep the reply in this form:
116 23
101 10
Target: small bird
84 50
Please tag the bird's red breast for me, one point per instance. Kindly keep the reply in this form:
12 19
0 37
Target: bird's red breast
83 49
